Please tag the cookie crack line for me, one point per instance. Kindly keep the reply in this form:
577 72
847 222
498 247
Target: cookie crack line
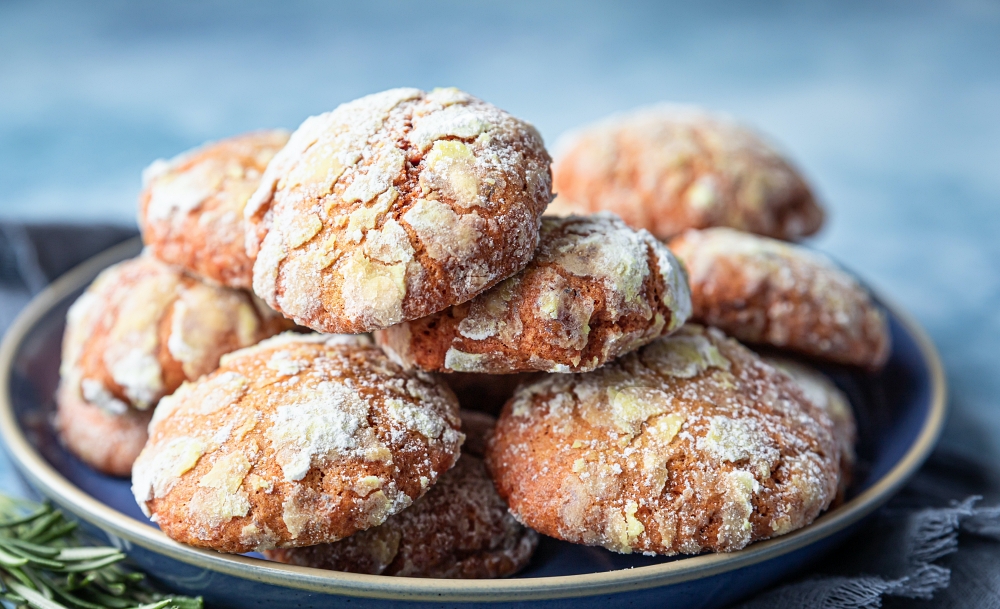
455 173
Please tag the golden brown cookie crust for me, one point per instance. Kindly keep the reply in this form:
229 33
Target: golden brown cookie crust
106 442
761 290
300 440
669 168
191 207
821 391
395 206
691 443
459 529
143 327
595 290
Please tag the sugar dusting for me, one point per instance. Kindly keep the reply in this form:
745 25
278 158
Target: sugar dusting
764 290
688 444
596 289
460 528
668 168
332 259
297 440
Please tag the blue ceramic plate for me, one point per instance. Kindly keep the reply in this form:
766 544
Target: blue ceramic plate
900 412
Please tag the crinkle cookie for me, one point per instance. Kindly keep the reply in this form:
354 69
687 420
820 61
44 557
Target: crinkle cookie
595 290
459 529
143 327
821 391
395 206
108 442
764 291
691 443
191 207
300 440
668 168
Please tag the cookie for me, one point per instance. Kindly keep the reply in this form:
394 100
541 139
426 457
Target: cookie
822 392
669 168
459 529
395 206
595 290
764 291
143 327
191 207
689 444
108 442
436 536
300 440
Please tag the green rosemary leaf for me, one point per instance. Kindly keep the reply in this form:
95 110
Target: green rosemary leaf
116 589
36 582
71 599
186 602
56 532
74 554
79 580
17 573
42 524
92 565
10 560
12 598
44 564
159 605
113 602
24 519
34 548
31 557
35 599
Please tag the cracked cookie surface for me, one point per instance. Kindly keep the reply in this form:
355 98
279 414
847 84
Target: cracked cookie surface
669 168
459 529
395 206
822 391
595 290
299 440
691 443
766 291
191 206
143 327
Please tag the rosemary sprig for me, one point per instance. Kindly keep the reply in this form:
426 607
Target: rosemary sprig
45 565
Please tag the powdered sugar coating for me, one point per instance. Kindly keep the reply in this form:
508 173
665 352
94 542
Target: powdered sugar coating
459 529
691 443
261 455
668 168
143 327
595 290
191 206
762 290
822 392
108 442
394 206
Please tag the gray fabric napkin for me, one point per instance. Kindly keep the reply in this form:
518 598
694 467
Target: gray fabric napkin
936 544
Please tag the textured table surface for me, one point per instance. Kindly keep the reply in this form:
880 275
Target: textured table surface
891 110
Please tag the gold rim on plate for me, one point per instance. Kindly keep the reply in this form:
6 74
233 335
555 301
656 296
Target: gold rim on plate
53 485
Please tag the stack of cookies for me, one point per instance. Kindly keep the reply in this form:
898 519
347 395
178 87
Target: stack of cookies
401 239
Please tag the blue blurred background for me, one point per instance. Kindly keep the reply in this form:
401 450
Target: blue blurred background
892 109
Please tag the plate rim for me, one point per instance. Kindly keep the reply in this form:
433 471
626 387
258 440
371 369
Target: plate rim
71 498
